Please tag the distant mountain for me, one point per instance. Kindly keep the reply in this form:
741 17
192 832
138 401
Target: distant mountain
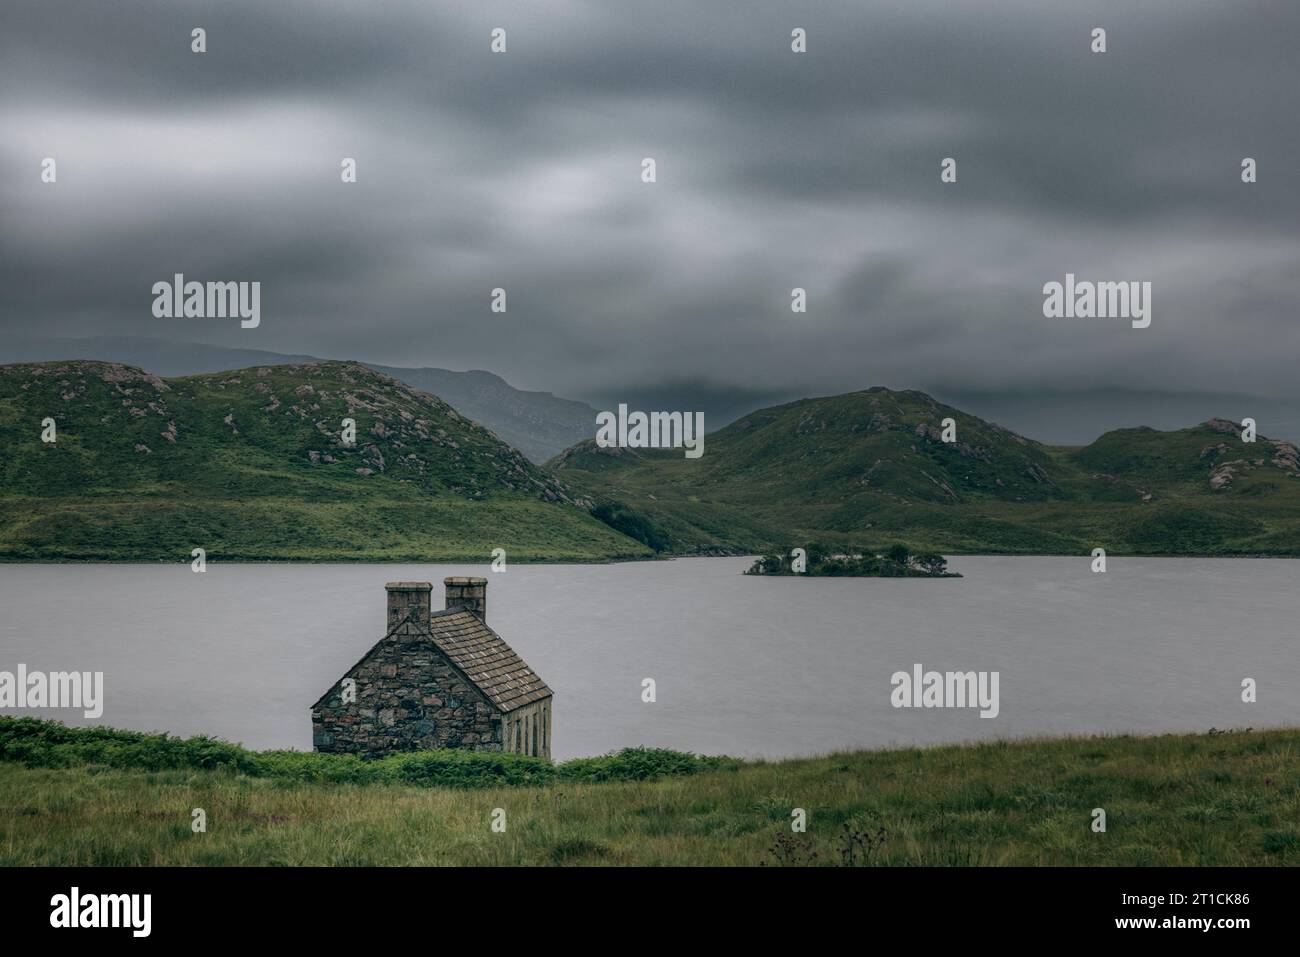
538 424
1064 417
542 425
1077 418
252 465
162 357
871 467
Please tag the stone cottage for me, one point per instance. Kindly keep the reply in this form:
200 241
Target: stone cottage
437 679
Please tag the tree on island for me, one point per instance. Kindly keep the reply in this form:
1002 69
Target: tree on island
895 561
931 564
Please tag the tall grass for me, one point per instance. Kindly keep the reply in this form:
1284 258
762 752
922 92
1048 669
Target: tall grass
1182 800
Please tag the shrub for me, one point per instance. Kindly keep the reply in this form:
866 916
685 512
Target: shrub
632 524
45 744
639 764
466 769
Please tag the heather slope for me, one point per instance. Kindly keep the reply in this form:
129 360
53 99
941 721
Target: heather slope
252 465
871 467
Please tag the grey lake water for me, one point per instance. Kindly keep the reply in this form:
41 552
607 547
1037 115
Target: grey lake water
743 665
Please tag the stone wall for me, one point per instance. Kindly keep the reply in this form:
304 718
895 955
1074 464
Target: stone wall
408 698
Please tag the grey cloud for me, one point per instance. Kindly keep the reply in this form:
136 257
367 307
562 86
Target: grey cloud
775 171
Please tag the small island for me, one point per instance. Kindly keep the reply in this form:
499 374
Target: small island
895 561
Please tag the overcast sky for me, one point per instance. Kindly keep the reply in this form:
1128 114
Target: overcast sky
775 170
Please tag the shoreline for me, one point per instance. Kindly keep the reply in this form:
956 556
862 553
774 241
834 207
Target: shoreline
612 561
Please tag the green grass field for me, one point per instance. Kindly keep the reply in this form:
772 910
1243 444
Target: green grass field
1206 799
398 527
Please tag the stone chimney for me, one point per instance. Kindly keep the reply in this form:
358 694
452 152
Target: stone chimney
409 601
469 593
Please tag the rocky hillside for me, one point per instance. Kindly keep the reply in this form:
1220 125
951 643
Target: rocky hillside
254 464
1208 457
538 424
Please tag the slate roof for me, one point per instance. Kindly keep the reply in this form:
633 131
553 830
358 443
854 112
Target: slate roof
477 652
487 661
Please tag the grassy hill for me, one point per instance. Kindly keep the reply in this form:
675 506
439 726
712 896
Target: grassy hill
871 467
88 797
538 424
251 465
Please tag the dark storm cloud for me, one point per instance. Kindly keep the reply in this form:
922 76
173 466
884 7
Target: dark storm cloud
775 171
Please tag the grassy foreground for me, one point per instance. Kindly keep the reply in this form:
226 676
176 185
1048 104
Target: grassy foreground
1211 799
